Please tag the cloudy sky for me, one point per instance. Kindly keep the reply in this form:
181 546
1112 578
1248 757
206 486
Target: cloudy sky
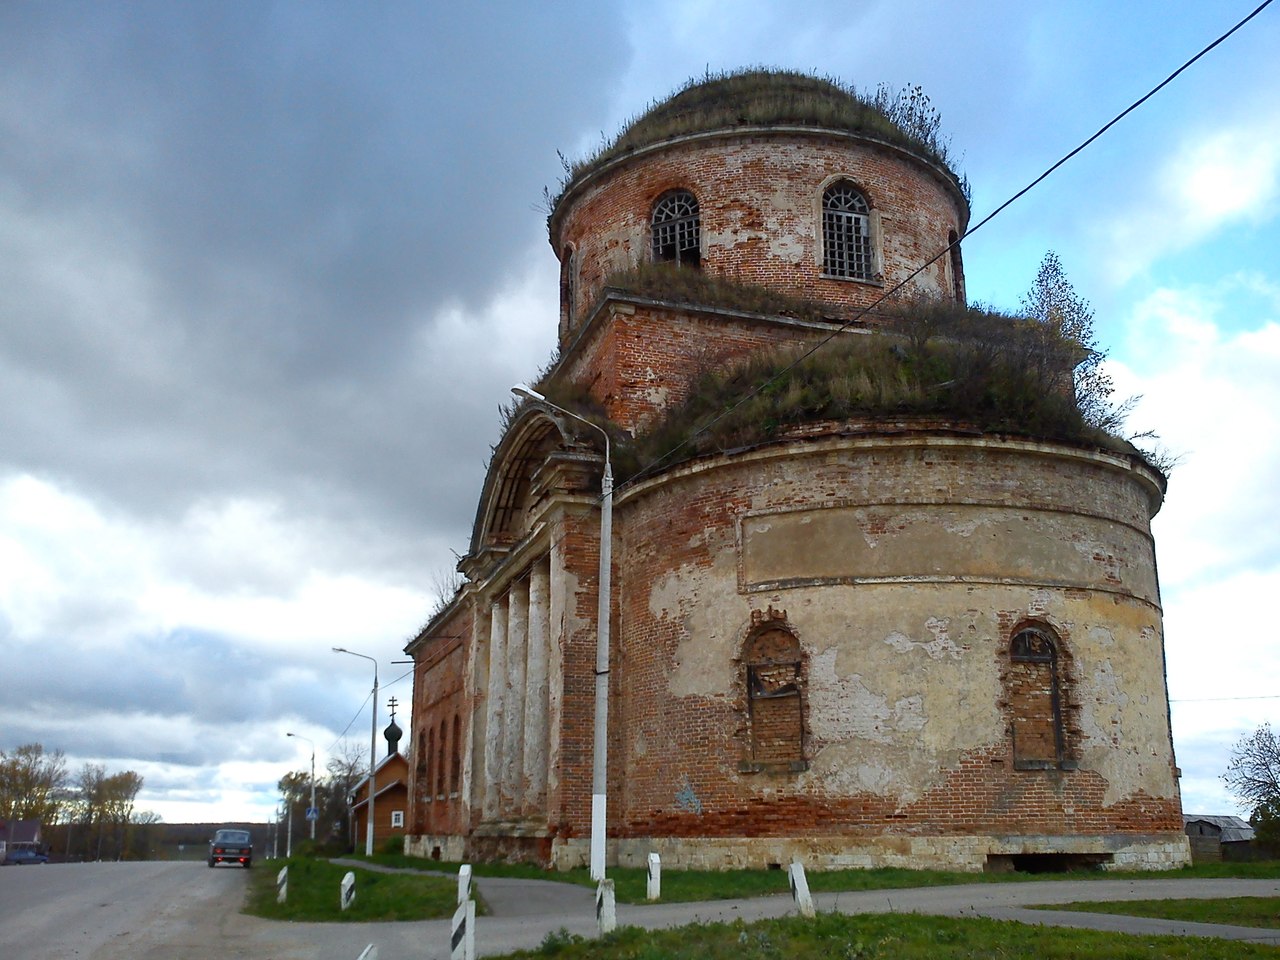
267 270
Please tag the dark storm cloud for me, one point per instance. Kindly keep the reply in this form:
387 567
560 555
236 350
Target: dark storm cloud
230 224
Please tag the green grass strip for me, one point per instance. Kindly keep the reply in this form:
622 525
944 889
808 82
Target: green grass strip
1239 911
897 936
314 894
688 886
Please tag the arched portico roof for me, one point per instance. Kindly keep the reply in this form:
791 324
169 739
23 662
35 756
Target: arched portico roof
500 516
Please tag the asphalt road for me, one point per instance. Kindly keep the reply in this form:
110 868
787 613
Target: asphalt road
185 911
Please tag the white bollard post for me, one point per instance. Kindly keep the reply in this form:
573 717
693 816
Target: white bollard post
464 883
800 889
606 908
653 885
282 884
462 939
368 953
348 891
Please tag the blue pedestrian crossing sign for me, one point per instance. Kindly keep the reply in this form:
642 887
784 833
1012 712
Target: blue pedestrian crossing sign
313 813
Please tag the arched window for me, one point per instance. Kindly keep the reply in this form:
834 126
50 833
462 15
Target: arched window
456 777
441 771
428 781
774 664
569 283
846 233
957 267
676 230
1034 689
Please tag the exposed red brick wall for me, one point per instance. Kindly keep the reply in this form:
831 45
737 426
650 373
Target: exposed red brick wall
759 200
441 728
683 751
718 762
644 360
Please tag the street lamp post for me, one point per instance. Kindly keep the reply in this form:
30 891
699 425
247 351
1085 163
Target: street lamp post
600 762
373 748
313 780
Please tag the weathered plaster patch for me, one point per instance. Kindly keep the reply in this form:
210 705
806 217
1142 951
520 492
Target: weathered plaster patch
1123 722
964 528
1038 604
940 646
657 393
709 611
1101 637
844 707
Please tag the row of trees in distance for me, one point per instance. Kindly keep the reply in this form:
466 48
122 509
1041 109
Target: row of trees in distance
86 815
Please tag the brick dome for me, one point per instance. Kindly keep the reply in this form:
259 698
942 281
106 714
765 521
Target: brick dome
755 98
757 162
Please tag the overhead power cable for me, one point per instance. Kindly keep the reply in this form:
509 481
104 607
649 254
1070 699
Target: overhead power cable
640 474
887 295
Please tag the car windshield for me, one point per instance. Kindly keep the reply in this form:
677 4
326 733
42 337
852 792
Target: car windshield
231 836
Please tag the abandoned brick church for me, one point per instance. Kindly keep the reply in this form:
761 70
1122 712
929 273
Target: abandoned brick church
896 636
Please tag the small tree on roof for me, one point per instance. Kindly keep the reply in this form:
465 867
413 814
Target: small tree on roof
1068 318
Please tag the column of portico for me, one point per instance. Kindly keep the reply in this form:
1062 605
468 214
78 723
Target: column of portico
535 708
513 716
475 696
494 716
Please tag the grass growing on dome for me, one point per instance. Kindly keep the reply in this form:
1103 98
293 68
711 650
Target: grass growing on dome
768 97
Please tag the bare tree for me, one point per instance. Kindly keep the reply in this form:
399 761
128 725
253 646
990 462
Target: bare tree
1253 772
347 766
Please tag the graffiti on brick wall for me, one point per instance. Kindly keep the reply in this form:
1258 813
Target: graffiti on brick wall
687 799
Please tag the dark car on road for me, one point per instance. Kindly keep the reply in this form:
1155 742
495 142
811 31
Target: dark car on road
23 855
231 846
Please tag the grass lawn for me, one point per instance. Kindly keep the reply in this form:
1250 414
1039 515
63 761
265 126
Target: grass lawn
896 936
1242 911
686 886
314 892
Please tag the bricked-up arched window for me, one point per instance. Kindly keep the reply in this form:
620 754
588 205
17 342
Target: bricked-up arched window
569 283
1035 700
676 229
846 233
455 777
422 750
774 664
429 780
441 771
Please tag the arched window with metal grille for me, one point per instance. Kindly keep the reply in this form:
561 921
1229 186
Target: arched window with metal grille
676 230
847 250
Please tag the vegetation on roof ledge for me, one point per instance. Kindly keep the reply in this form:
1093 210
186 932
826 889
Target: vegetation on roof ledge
771 97
1035 373
698 288
984 371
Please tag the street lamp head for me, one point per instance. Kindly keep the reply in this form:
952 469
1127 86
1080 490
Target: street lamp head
289 734
526 391
339 649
